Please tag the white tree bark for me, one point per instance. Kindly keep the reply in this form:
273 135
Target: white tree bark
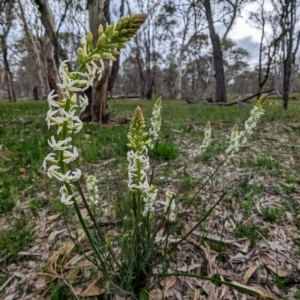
33 48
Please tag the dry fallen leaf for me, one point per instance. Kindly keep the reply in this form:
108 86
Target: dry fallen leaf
92 289
248 274
40 283
169 283
279 271
197 294
55 233
22 170
53 217
95 291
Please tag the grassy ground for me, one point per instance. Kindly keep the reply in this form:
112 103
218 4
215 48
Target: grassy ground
251 238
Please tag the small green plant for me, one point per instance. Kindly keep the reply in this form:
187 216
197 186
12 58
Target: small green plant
278 282
35 205
248 204
60 292
164 150
287 189
272 214
15 239
6 201
250 231
267 163
186 183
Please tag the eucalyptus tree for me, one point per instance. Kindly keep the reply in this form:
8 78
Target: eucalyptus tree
228 12
32 47
186 42
263 19
149 45
55 53
287 15
97 110
7 17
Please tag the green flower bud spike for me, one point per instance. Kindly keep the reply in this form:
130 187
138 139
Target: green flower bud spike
100 29
136 133
89 37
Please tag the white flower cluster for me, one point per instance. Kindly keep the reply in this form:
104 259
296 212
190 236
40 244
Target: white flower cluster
234 141
138 180
206 140
170 205
239 138
155 123
137 170
62 114
92 187
150 196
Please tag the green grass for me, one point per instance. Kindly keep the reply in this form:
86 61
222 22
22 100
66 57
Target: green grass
15 239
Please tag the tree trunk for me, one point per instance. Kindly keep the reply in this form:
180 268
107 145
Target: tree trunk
116 64
287 22
220 93
149 84
142 81
47 19
8 75
33 48
52 73
287 70
99 14
53 47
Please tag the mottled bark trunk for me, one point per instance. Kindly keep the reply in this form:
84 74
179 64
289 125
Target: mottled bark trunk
47 19
220 93
98 14
99 95
52 73
141 72
33 48
10 88
8 74
178 85
149 84
287 70
53 47
113 74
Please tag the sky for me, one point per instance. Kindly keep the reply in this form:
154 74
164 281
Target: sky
246 36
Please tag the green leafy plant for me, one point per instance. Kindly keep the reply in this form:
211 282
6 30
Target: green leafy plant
272 214
267 163
251 231
164 150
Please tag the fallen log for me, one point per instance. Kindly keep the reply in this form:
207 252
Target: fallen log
242 100
231 103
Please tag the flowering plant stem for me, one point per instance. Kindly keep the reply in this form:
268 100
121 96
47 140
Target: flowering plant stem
91 215
174 246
